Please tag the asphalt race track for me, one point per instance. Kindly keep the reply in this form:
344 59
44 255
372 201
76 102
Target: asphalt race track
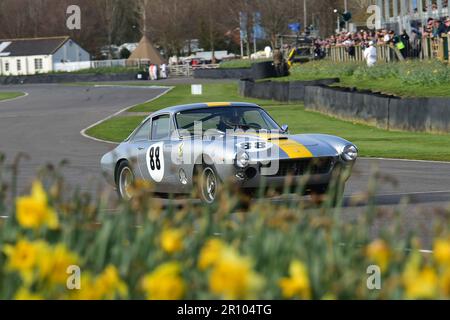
46 125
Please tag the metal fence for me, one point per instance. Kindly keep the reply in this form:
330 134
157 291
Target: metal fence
82 65
184 70
430 48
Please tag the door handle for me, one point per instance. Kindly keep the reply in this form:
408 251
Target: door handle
141 148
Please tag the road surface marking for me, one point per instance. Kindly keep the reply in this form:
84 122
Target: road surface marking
84 134
406 160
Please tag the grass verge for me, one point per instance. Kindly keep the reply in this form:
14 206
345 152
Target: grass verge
405 79
10 95
240 63
373 142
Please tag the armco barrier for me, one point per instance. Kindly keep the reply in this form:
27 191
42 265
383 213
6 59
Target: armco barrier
383 111
64 78
261 70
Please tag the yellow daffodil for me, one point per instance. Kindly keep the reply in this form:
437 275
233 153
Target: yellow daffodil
24 257
445 283
53 265
297 285
25 295
441 252
232 277
378 252
165 283
172 240
88 290
421 284
109 285
33 212
210 253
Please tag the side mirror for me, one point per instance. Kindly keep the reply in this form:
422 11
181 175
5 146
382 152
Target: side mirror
284 128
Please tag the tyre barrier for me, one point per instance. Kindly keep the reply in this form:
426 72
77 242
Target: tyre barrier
383 111
279 91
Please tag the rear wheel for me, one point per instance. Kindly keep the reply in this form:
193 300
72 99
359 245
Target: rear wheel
125 181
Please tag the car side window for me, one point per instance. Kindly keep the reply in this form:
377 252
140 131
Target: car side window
161 128
143 133
254 117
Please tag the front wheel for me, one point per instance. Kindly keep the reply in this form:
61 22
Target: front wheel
125 181
208 184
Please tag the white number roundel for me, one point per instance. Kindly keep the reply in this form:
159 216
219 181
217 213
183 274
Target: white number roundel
155 161
254 146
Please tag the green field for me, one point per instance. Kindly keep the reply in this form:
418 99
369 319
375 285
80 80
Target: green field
10 95
405 79
371 141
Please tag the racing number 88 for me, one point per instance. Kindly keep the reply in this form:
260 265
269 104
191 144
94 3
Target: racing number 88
155 162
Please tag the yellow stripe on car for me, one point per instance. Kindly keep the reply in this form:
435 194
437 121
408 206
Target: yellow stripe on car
294 149
219 104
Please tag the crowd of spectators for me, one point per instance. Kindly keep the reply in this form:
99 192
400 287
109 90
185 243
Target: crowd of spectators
408 44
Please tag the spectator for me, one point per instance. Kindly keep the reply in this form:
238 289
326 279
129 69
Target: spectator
438 29
163 71
278 61
370 54
415 43
447 25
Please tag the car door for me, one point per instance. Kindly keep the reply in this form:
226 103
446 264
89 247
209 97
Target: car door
155 155
138 144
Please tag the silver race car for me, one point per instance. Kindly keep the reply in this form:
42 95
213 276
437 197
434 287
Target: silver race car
205 146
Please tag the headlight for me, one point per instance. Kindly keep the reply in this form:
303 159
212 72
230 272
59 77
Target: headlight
242 159
350 153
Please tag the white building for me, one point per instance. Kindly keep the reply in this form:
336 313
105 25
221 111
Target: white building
38 55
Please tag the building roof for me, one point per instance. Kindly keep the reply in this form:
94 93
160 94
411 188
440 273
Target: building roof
31 46
146 51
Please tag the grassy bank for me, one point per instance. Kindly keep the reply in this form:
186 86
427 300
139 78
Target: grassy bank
240 63
10 95
406 79
372 142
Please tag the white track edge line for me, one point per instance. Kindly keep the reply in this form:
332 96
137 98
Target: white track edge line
25 94
84 134
405 160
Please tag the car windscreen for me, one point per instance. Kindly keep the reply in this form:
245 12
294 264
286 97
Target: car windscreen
223 119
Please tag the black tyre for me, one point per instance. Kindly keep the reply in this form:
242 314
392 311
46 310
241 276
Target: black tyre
124 181
208 184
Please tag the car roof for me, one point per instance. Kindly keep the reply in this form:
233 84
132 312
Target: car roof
195 106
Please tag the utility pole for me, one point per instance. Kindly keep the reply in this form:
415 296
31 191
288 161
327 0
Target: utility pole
345 11
305 15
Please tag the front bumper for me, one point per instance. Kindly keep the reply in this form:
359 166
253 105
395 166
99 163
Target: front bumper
253 177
